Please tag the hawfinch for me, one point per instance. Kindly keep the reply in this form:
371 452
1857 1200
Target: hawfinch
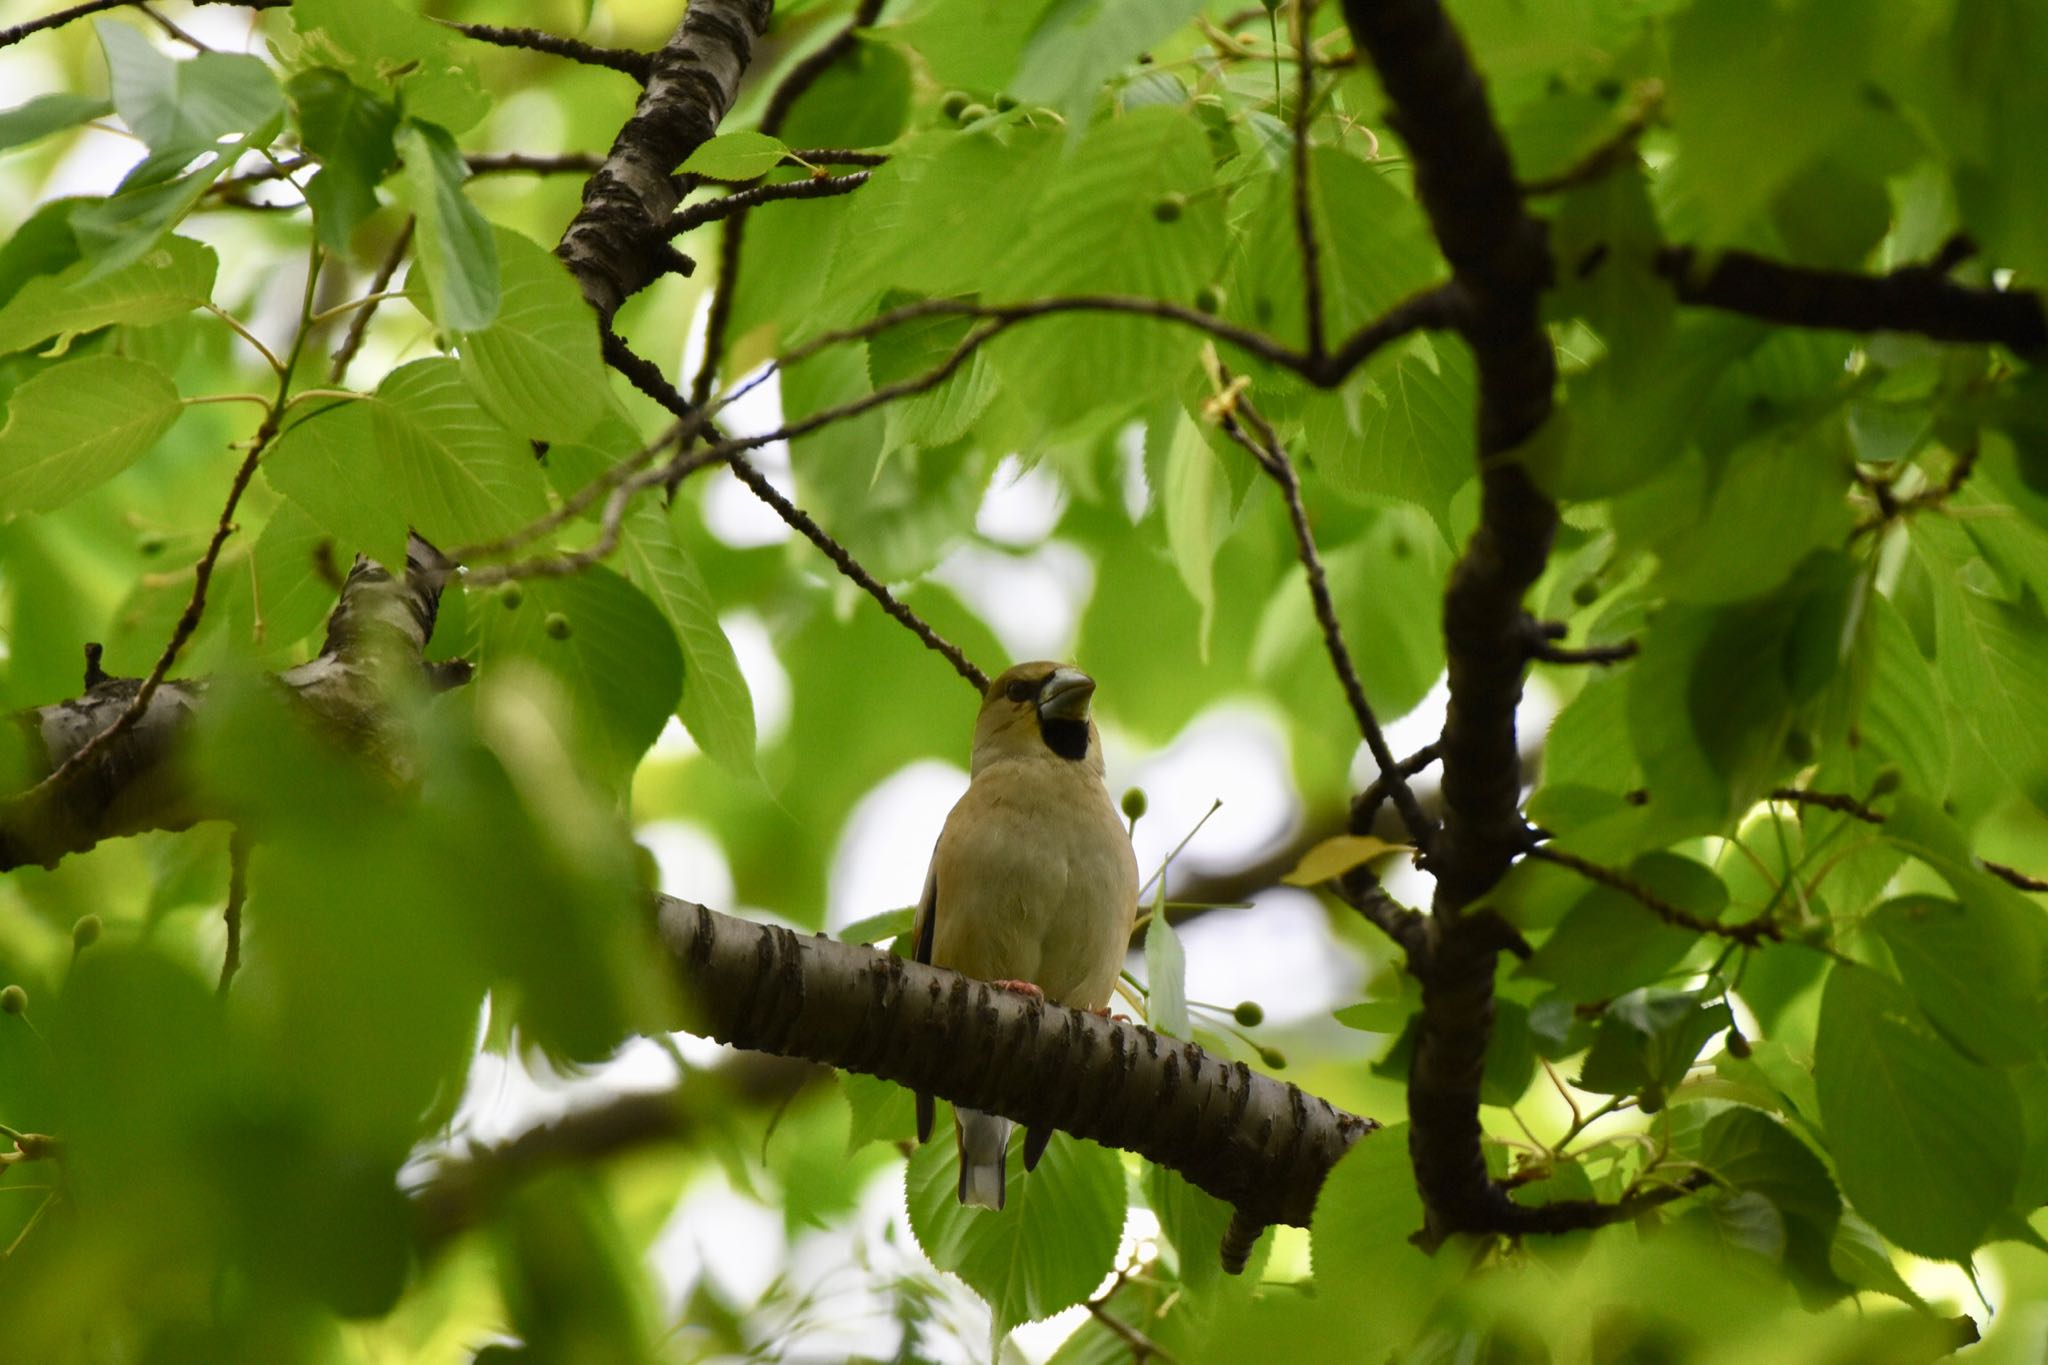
1033 885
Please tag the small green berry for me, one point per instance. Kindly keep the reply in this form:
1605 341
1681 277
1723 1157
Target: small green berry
973 113
1167 207
1249 1013
511 596
557 626
1652 1098
85 933
150 545
13 1000
1738 1046
1209 299
1274 1058
1887 780
954 102
1586 592
1134 803
1004 104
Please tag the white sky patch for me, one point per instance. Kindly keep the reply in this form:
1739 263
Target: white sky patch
1232 751
1022 505
718 1233
1130 446
767 679
1280 953
1033 602
731 510
691 863
887 842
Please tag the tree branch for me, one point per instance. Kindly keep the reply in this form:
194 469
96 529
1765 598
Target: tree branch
1749 932
615 245
10 36
135 781
1920 299
638 65
1500 261
1271 458
780 102
696 215
1261 1144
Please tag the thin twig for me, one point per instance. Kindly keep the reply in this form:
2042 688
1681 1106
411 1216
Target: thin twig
1432 310
1272 458
1143 1348
359 324
2014 876
712 210
1834 801
195 606
1748 932
648 378
638 65
1546 652
239 845
1365 807
835 156
1304 220
1613 152
10 36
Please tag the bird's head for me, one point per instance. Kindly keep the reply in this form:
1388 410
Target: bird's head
1036 711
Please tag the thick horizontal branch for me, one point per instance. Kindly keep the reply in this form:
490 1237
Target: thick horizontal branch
137 781
1263 1145
1920 299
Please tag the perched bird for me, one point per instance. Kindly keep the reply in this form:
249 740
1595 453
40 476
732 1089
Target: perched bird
1033 885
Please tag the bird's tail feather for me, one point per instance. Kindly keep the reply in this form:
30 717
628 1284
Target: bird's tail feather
984 1143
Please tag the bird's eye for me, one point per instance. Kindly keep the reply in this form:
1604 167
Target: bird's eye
1019 690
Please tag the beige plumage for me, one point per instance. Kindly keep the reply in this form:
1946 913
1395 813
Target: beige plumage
1033 884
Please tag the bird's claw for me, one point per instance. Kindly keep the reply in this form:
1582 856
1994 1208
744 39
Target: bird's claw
1030 988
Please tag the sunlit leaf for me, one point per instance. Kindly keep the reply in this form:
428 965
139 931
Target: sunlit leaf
76 425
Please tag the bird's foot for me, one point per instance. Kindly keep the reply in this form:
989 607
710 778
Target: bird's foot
1104 1013
1030 988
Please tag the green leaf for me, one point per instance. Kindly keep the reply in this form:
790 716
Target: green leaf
1078 44
174 278
1860 1256
1407 433
382 45
883 1111
1166 977
1650 1038
1375 250
942 414
1758 90
455 472
329 464
1927 1142
73 426
1510 1055
1747 1150
1194 1221
1195 503
123 228
1609 942
617 660
352 132
47 114
1099 228
861 100
717 708
456 245
181 107
1046 1249
745 155
1975 976
1991 655
1900 698
536 365
1777 499
1364 1218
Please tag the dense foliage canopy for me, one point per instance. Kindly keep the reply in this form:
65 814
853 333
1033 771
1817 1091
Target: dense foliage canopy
458 450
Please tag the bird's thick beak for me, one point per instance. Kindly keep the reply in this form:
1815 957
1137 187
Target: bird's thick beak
1064 696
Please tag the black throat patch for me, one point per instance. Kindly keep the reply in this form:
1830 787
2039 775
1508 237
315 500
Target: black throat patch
1067 738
